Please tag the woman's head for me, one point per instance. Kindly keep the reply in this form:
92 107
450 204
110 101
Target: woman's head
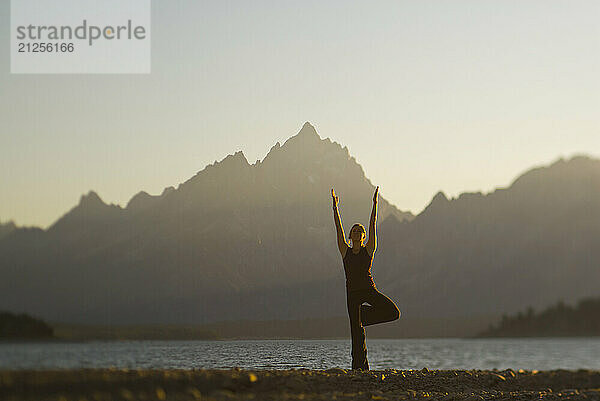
357 233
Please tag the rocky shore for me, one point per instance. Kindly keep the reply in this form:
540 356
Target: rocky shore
301 384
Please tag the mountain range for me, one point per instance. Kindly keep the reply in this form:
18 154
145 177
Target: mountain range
256 241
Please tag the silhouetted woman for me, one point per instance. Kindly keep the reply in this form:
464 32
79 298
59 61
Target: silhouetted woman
359 283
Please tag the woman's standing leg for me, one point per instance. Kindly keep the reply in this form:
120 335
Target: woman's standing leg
381 309
359 347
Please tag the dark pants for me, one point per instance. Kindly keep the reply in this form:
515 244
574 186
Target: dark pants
380 309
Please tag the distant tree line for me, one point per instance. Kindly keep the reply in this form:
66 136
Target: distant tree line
558 320
23 326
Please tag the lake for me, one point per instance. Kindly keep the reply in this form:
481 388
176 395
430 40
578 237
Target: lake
520 353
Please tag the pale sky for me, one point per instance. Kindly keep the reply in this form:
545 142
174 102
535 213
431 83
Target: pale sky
427 95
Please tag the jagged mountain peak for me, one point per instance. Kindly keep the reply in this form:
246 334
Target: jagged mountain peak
230 163
308 130
305 137
274 149
90 207
440 200
167 190
307 148
228 170
439 197
300 170
237 159
91 199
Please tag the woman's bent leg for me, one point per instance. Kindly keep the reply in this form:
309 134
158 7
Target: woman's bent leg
357 331
381 309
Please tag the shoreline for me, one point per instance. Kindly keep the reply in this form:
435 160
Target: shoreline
306 384
225 339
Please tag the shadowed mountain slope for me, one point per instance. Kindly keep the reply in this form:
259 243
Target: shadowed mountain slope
257 242
529 244
233 235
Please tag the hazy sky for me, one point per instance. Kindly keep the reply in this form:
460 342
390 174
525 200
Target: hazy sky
427 95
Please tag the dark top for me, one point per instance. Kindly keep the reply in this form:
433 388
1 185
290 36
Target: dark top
358 269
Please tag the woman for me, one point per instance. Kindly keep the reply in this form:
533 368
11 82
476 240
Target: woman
359 283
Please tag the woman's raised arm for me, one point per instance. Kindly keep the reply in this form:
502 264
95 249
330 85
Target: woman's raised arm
371 244
341 241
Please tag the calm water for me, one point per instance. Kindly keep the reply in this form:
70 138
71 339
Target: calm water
529 354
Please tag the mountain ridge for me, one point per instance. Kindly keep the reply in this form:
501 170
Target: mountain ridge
236 169
241 241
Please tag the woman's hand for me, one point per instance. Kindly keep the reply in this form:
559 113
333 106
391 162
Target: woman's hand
335 198
375 195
